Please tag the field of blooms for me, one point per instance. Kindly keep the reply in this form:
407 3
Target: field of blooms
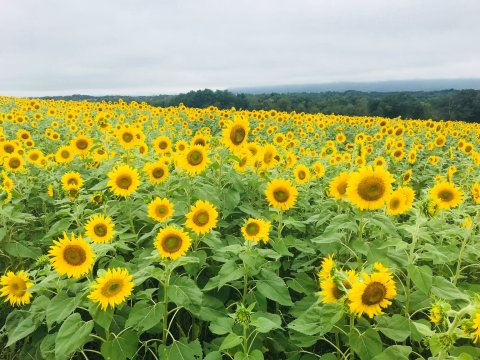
134 232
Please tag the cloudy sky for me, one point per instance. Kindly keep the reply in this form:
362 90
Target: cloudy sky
143 47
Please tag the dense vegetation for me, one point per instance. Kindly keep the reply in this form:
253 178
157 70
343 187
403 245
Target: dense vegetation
438 105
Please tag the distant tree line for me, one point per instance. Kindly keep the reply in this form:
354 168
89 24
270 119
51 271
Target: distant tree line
439 105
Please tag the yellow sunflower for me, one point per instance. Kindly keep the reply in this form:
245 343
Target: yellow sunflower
476 193
71 256
372 294
157 172
338 186
400 201
334 288
14 162
318 169
72 179
202 217
476 327
446 195
235 135
81 144
194 160
369 188
64 154
302 174
124 180
99 228
172 243
127 137
281 194
327 267
256 230
14 288
160 209
112 288
162 145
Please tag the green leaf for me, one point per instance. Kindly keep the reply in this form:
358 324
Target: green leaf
21 251
422 278
396 327
71 336
18 325
181 350
214 355
397 352
444 289
3 232
221 326
254 355
265 322
59 308
302 284
230 341
99 316
274 288
229 272
145 315
183 291
366 345
318 319
121 347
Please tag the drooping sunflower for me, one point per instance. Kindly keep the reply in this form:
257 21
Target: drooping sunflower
71 256
281 194
369 188
14 162
157 172
124 180
407 177
100 228
15 288
235 135
256 230
194 160
64 154
373 294
172 242
202 217
318 169
338 186
72 179
302 174
446 195
160 209
334 288
112 288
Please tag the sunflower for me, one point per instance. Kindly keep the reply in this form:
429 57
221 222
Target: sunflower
338 186
318 169
172 243
302 174
124 180
476 327
162 145
202 217
327 267
269 156
81 145
97 198
64 154
71 256
400 201
50 191
281 194
372 294
476 193
112 288
446 195
256 230
99 228
160 209
407 177
235 135
14 288
369 187
334 288
127 137
194 160
14 162
157 172
72 179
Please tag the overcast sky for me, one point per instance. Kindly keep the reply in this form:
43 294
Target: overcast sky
143 47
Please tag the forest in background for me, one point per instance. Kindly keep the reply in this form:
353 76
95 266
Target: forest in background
438 105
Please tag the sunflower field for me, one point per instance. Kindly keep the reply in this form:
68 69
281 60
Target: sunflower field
135 232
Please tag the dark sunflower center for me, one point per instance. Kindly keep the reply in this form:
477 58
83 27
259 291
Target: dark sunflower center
8 149
281 195
127 137
302 175
446 195
14 163
18 287
100 230
371 189
201 218
72 181
237 135
65 154
394 204
172 243
82 144
267 157
194 157
158 173
337 293
124 181
162 145
374 293
252 229
34 156
162 210
74 255
111 288
342 188
200 142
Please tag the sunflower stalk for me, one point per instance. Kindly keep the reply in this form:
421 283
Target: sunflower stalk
165 303
411 262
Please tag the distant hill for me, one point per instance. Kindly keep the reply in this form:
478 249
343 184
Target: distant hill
377 86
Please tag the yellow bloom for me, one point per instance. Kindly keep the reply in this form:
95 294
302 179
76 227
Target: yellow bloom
64 154
256 230
157 172
369 188
14 162
160 209
338 186
202 217
124 180
194 160
302 174
15 288
281 194
327 267
112 288
72 179
172 243
99 228
446 195
235 135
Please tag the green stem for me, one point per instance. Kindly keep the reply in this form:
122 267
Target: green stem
165 304
352 327
361 226
245 275
411 262
460 255
458 317
245 340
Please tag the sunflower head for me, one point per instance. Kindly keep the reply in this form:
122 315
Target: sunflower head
338 186
72 179
302 174
235 135
281 194
112 288
256 230
124 180
446 195
160 209
172 242
369 188
157 172
99 228
202 217
14 287
194 160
